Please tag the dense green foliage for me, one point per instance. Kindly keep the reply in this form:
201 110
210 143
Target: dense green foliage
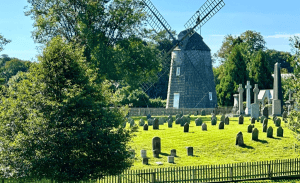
56 122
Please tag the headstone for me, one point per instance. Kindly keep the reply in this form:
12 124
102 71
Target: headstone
213 116
241 91
214 121
277 91
170 117
186 127
274 119
183 121
155 124
236 100
255 105
262 119
170 123
150 121
148 116
173 152
178 121
227 120
143 153
141 122
239 139
248 98
221 125
284 115
255 134
278 122
241 120
270 132
190 151
131 122
161 121
198 122
265 112
155 153
253 120
145 127
279 132
145 161
156 144
124 124
265 122
250 127
204 127
203 112
223 117
170 159
265 128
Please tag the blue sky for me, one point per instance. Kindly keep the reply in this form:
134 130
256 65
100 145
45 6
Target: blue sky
276 20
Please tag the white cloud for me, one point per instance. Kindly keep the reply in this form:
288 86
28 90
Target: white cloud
285 36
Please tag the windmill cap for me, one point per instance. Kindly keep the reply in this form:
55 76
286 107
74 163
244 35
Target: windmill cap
195 42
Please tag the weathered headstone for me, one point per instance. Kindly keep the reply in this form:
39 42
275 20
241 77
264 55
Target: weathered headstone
150 121
227 120
156 144
265 122
173 152
277 91
190 151
284 115
241 91
241 119
265 112
155 124
145 161
278 122
203 112
143 153
170 159
145 127
141 122
198 122
148 116
239 139
248 98
155 153
265 128
279 132
253 120
204 127
186 127
178 121
255 134
255 105
161 121
270 132
214 121
170 123
250 127
274 119
221 125
178 116
223 117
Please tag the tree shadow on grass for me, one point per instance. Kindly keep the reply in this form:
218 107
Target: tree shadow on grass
246 146
275 138
262 141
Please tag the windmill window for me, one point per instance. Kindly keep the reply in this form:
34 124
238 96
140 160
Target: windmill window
178 71
210 96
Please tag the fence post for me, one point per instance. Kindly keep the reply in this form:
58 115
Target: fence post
231 173
119 179
153 177
270 171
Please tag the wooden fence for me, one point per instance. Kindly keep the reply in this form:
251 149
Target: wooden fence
211 173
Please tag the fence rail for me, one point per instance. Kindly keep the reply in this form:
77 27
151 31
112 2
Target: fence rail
211 173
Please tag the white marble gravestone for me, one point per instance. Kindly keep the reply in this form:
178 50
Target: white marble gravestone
248 98
255 105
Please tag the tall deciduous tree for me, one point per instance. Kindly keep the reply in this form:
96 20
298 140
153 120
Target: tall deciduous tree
55 122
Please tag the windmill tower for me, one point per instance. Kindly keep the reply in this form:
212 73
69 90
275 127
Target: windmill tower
191 81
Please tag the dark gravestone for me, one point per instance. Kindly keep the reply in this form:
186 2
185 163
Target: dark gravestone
255 134
173 152
278 122
204 127
262 119
155 124
178 121
265 112
145 161
148 116
203 112
221 125
150 121
145 127
186 127
198 122
279 132
265 122
155 153
265 128
214 121
190 151
241 120
252 120
156 144
213 116
124 124
284 115
196 113
239 139
227 120
170 123
178 116
223 118
141 122
182 121
170 118
250 128
270 132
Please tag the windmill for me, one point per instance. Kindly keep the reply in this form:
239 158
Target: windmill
191 81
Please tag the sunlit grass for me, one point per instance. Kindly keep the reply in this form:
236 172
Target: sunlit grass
213 146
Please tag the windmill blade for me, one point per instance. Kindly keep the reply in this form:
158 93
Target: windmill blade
155 19
206 11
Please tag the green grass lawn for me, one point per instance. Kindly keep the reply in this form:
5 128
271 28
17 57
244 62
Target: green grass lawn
213 146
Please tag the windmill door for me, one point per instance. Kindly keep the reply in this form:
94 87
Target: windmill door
176 100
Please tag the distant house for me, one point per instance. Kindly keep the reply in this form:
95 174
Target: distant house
265 96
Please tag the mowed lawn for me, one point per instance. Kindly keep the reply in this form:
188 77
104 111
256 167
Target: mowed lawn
213 146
